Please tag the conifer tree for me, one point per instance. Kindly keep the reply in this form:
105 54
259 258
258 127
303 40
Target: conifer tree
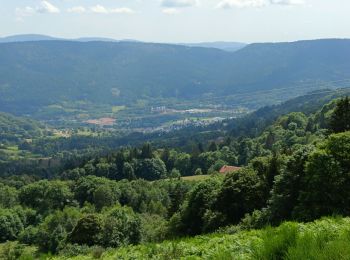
340 120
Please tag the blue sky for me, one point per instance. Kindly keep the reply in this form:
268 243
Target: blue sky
179 20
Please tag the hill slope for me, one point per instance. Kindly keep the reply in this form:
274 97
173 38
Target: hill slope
34 74
13 128
27 38
322 239
41 37
226 46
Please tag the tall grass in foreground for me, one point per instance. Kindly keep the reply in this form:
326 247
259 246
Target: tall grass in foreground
325 239
276 242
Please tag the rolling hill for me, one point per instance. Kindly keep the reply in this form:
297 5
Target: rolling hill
41 37
27 38
226 46
37 74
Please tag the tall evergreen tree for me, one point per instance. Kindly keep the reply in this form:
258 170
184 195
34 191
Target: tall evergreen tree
340 120
146 151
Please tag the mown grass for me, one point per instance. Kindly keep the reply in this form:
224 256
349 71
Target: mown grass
195 177
328 238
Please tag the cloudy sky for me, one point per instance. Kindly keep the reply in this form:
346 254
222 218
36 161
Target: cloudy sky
179 20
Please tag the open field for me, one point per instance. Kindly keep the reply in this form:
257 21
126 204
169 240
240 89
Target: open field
195 178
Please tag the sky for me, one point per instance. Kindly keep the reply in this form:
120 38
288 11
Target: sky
178 21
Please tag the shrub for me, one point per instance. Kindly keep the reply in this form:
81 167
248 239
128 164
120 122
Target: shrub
17 251
121 226
10 225
88 230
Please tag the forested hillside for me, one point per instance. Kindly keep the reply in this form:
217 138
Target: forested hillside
16 128
14 131
67 148
124 72
295 169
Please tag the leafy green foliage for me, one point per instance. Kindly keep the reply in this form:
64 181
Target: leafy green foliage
8 196
15 250
45 195
88 230
10 224
95 190
121 227
340 120
287 185
324 189
199 200
241 193
51 235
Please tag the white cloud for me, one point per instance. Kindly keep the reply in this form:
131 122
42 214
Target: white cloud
170 11
47 7
288 2
77 9
44 7
225 4
123 10
179 3
99 9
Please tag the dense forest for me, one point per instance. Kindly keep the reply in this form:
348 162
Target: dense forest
294 167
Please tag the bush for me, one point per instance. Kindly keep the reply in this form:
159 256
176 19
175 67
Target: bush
16 251
29 236
256 220
121 226
71 250
88 230
10 225
8 196
154 228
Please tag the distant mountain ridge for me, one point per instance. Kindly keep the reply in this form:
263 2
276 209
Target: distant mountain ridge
27 38
227 46
40 37
36 74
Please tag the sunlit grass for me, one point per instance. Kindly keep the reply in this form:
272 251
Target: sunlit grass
327 238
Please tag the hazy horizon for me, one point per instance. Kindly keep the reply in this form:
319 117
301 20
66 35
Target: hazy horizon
138 40
178 21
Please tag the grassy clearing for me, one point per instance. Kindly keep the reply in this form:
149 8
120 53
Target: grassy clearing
10 150
195 178
116 109
327 238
